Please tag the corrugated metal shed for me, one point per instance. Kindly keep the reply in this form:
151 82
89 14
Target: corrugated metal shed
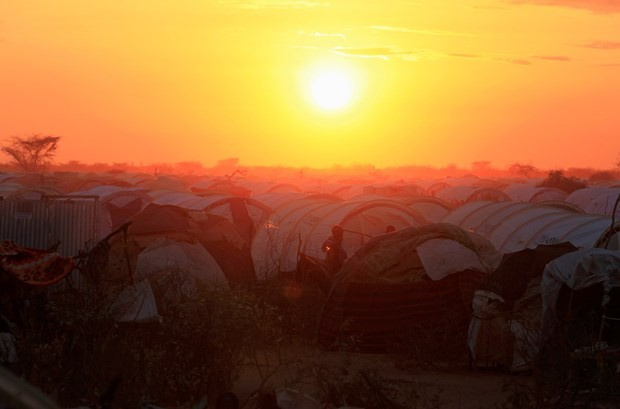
42 223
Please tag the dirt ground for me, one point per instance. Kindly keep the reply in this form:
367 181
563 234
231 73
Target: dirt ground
305 369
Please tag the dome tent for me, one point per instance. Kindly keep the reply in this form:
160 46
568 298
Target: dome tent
302 225
514 226
419 277
505 325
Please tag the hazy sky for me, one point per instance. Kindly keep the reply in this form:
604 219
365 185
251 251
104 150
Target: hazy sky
432 82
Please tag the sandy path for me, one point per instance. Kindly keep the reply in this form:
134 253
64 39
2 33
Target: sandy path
453 388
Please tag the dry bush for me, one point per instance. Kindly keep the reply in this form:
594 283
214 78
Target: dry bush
424 347
201 344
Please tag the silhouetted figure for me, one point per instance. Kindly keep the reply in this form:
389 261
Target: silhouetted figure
334 253
390 228
227 400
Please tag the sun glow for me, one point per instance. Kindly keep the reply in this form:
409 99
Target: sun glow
331 90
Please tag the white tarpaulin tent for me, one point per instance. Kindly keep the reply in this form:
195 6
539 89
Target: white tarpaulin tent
514 226
578 270
165 255
304 224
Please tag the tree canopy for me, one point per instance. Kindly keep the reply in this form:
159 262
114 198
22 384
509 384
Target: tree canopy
32 153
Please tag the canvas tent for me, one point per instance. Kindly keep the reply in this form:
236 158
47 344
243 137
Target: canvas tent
514 226
577 271
581 318
431 208
505 326
165 256
457 195
116 205
596 200
245 213
419 278
155 224
533 194
302 225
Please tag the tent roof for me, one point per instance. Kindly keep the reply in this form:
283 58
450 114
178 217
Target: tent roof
456 195
166 255
310 220
596 200
401 256
520 193
514 226
577 270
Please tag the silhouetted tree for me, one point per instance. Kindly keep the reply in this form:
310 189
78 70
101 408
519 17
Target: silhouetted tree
557 180
524 170
602 176
32 153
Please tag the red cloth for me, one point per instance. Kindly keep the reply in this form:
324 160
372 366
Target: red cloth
34 266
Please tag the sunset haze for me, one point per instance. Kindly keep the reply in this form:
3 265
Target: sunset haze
431 83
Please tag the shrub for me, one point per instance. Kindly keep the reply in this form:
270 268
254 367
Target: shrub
556 179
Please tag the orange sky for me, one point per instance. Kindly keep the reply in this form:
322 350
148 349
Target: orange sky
434 82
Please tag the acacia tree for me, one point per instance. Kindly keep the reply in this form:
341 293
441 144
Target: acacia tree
523 169
32 153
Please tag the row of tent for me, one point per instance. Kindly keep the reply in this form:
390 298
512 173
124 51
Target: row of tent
429 271
595 199
439 283
276 227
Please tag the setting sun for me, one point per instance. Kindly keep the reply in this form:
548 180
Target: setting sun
332 90
270 81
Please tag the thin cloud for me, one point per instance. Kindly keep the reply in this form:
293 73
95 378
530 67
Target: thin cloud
319 34
561 58
517 61
376 52
274 4
602 45
386 53
598 6
464 55
416 31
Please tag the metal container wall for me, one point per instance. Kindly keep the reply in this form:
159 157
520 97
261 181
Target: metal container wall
41 223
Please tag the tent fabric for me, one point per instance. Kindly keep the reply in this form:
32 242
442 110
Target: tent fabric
384 288
514 226
119 214
216 234
505 326
511 277
160 219
457 195
376 314
596 200
135 303
533 194
245 213
393 258
303 225
442 257
577 271
167 255
431 208
116 205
